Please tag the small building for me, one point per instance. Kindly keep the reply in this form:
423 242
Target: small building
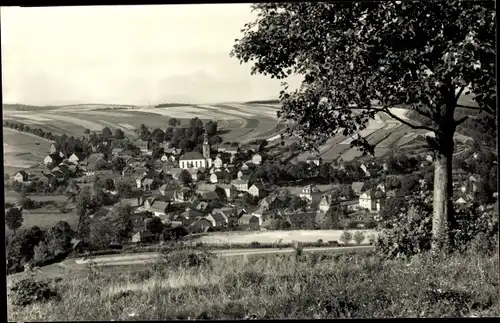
214 178
257 190
325 203
143 236
146 184
373 200
182 195
357 187
229 190
54 159
195 174
218 219
76 157
218 162
257 159
249 221
210 196
314 160
140 179
243 173
241 185
54 148
21 177
308 192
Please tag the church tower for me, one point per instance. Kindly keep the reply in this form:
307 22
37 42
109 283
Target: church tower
206 148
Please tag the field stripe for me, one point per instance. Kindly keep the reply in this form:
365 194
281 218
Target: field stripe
225 109
128 126
33 117
124 129
79 122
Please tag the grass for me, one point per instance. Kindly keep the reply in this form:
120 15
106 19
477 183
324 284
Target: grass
282 286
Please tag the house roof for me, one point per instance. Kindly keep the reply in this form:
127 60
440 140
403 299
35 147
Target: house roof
357 186
144 234
141 177
212 195
117 150
219 217
245 177
202 206
192 214
313 158
94 158
23 173
55 156
174 171
148 181
78 154
158 206
245 218
226 186
192 155
258 186
239 181
206 187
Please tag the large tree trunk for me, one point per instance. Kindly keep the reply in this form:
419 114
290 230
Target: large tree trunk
443 213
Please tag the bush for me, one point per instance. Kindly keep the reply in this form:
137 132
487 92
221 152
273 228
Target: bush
255 244
29 291
346 237
410 232
359 237
185 258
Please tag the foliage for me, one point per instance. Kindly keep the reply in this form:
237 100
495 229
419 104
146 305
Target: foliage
28 291
346 237
359 237
20 249
124 189
154 225
409 232
373 56
185 178
118 164
14 218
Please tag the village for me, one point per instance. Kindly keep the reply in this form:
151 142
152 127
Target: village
225 187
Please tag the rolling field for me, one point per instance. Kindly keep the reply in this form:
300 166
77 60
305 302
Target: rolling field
240 122
22 150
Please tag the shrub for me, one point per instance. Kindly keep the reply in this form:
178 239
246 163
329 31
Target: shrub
29 291
254 244
359 237
346 237
185 258
410 232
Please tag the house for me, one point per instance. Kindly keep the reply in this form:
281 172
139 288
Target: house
146 184
175 172
229 190
218 163
200 225
233 150
210 196
249 221
214 178
204 187
143 236
357 187
140 179
53 159
242 173
373 200
54 148
257 190
325 203
218 219
48 179
133 202
244 167
76 157
257 159
241 185
365 169
315 160
164 189
253 148
195 173
182 195
91 162
116 151
461 201
144 146
157 207
308 192
21 177
203 207
272 202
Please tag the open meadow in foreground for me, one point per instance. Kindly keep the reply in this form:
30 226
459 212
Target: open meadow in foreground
292 286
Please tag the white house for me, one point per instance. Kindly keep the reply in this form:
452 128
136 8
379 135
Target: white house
218 163
21 177
325 203
241 185
76 157
256 190
214 178
372 200
314 160
52 158
257 159
308 191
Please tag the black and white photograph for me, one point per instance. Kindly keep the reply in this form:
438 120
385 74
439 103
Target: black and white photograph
250 161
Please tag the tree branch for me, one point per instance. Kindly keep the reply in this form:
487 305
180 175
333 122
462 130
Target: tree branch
413 126
490 111
459 93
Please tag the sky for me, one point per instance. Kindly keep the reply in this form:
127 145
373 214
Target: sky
137 55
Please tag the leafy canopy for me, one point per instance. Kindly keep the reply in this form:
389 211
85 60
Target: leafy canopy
373 56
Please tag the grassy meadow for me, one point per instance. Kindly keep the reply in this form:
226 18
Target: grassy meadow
308 286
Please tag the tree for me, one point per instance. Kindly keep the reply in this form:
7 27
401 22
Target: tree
118 164
58 238
119 134
211 128
124 189
345 237
86 131
185 178
174 122
106 133
359 237
154 225
373 56
14 218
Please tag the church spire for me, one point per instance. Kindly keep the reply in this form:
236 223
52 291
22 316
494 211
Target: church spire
205 138
206 147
